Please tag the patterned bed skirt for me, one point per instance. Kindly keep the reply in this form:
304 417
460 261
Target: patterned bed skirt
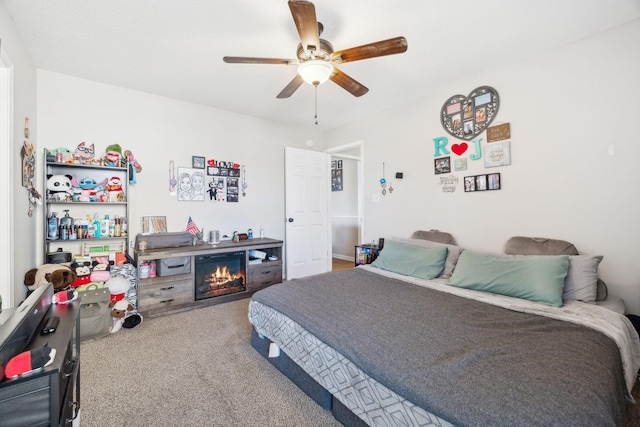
362 395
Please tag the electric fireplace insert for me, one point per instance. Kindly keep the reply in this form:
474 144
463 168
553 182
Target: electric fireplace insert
220 274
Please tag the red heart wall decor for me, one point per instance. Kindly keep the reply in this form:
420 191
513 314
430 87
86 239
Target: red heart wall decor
465 117
459 149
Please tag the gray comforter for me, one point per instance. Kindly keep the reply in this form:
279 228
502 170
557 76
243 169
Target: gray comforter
465 361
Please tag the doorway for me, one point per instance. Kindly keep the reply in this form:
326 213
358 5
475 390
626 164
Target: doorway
347 199
6 205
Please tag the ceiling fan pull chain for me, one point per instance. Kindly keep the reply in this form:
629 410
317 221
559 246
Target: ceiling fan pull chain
316 96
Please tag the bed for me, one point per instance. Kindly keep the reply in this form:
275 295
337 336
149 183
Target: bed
433 335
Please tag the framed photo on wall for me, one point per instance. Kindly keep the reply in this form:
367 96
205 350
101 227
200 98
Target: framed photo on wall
442 165
485 182
198 162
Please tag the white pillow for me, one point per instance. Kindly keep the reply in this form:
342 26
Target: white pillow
581 282
453 252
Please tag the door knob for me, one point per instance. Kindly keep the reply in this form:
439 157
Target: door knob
290 219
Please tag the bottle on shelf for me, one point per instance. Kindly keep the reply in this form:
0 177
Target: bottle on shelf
123 221
66 223
90 232
117 227
144 270
96 226
152 269
52 226
261 232
250 234
104 227
64 232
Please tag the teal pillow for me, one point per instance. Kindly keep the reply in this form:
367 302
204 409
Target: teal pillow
410 260
535 278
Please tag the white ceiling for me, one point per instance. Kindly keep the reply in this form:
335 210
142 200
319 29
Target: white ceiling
174 48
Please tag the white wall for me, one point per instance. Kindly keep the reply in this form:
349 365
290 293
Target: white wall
566 109
22 241
158 130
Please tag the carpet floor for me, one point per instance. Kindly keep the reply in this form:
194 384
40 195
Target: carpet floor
197 368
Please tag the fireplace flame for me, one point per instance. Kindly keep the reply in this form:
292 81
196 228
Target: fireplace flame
221 276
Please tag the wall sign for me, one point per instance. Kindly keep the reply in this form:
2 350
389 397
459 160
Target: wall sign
499 132
497 154
468 116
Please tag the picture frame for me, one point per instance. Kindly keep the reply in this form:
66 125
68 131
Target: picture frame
442 165
336 180
198 162
493 181
469 183
154 224
191 183
465 117
484 182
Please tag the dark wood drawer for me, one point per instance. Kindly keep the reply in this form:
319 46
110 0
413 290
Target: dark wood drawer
263 275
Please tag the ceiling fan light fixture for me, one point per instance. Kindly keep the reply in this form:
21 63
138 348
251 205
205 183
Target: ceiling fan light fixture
315 71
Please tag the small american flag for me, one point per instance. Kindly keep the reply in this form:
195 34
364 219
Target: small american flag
192 227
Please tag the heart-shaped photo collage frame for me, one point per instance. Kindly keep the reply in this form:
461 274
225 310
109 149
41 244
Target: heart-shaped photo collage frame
465 117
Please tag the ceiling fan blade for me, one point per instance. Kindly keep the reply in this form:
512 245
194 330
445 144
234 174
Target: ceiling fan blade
304 16
371 50
347 83
248 60
291 87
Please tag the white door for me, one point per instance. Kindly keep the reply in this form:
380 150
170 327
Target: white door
307 189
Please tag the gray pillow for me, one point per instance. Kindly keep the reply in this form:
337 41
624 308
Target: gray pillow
519 245
582 279
453 252
536 278
423 263
434 236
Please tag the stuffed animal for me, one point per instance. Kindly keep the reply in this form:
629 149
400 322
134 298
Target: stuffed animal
59 187
101 271
84 153
114 188
113 155
119 310
83 271
88 190
59 275
118 286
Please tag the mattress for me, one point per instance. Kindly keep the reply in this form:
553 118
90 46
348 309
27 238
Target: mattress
377 404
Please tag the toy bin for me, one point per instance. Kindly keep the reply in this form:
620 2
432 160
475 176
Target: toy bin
174 266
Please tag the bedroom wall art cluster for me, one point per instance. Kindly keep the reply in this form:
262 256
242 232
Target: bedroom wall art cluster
213 180
468 118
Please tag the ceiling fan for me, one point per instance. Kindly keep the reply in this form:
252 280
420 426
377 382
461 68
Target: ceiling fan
316 58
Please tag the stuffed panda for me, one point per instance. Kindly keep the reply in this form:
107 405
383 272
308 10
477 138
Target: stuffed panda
59 187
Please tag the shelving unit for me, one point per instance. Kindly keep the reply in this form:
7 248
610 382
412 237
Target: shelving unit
80 209
366 254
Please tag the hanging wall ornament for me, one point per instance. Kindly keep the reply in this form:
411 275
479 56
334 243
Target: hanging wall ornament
172 178
244 182
383 181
